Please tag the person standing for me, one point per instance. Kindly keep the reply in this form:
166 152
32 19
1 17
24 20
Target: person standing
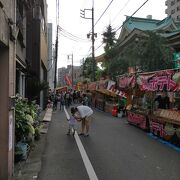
83 114
72 123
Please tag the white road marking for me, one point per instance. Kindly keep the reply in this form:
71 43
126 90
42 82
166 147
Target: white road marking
67 115
87 163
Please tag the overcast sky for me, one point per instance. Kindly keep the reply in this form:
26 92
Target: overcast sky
71 22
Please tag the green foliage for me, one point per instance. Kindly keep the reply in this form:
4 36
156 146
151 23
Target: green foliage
148 54
88 69
37 87
25 115
155 54
145 53
109 38
110 51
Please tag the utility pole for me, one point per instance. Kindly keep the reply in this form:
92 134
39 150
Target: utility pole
56 57
93 56
82 15
72 75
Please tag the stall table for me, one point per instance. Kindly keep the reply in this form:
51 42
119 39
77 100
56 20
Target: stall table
138 118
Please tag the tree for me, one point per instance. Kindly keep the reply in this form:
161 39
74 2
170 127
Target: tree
149 53
87 69
109 40
156 55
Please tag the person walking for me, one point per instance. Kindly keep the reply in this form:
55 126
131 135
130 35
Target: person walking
83 114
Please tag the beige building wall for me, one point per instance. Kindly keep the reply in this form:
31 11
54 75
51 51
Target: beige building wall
44 49
7 88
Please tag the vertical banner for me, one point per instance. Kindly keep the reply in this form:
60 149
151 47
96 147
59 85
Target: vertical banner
68 80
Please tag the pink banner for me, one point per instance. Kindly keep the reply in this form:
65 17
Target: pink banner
102 84
158 81
138 120
68 80
92 86
157 128
127 82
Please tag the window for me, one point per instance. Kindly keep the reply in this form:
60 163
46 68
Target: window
178 18
173 11
20 83
172 3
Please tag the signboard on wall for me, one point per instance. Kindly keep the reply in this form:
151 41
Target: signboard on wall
176 59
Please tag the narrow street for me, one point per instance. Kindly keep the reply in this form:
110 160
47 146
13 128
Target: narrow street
116 150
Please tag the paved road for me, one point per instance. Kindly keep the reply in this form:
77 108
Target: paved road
117 151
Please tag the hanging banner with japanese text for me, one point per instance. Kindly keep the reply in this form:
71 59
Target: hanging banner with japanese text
157 81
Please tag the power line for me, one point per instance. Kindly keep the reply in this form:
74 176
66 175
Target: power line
126 20
71 35
121 9
71 38
103 12
132 15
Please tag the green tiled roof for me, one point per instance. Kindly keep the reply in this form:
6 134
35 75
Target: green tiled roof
170 34
149 24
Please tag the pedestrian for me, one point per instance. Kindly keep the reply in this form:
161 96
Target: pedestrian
72 123
83 114
61 101
85 100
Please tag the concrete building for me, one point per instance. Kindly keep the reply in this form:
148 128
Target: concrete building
21 8
62 72
173 9
37 51
50 58
61 76
77 74
8 31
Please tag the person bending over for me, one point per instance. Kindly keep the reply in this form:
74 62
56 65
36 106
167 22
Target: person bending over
83 114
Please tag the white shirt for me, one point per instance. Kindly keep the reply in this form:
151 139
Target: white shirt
85 111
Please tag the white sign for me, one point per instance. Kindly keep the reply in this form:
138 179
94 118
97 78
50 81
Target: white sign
10 130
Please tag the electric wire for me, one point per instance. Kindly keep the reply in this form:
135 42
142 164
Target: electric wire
71 35
125 21
127 2
132 15
103 13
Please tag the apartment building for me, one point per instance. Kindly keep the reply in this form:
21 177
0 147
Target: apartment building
37 51
61 76
62 72
21 9
173 9
51 64
8 31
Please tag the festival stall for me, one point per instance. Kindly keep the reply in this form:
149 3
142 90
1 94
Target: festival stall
103 93
137 109
61 89
164 119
